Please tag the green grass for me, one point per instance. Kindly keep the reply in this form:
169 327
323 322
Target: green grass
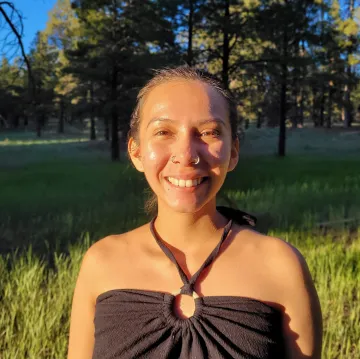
53 206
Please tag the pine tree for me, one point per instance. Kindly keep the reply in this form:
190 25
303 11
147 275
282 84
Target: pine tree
61 31
113 51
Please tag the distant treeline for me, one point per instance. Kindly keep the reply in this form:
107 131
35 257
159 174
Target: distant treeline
284 60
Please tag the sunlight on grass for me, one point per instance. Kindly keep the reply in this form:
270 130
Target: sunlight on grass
7 142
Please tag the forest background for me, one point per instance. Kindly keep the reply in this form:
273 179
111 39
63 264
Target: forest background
65 181
292 61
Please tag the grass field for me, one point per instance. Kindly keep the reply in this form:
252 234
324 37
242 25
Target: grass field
60 195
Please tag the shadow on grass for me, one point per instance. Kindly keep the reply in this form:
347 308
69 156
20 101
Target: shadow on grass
53 204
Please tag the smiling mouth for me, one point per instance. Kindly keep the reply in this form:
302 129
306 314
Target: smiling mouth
185 183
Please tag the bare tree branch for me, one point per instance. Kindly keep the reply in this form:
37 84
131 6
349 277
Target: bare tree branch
18 14
18 35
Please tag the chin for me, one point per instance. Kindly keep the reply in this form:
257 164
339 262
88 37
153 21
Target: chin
185 206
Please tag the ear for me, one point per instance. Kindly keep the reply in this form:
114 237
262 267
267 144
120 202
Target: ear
134 153
234 157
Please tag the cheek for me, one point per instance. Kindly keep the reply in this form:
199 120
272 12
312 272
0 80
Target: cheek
154 156
219 154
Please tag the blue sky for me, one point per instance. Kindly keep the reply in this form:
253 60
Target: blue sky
35 13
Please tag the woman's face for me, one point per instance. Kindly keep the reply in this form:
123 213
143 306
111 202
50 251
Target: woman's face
180 121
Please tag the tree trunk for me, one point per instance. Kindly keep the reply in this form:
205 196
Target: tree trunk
190 33
347 114
347 95
282 132
322 107
226 50
295 91
283 100
313 109
61 119
115 151
26 121
258 119
301 111
329 111
92 117
106 129
92 127
43 120
295 107
38 125
16 121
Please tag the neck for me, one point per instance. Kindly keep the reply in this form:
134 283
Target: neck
187 231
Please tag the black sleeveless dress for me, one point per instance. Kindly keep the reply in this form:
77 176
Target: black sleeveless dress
133 323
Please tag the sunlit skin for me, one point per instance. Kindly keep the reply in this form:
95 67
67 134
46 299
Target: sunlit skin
185 119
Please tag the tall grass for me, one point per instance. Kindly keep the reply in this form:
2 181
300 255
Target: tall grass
35 305
34 314
53 211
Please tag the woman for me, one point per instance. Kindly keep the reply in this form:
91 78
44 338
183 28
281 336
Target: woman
141 294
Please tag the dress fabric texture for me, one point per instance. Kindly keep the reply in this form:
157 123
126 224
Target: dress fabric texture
131 323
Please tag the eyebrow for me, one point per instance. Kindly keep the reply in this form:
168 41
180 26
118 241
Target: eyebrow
203 122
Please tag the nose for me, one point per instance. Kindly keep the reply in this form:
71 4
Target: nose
185 151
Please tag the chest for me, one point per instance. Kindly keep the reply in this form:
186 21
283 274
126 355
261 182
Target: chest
228 275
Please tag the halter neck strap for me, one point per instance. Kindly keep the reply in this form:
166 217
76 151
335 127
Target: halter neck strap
188 287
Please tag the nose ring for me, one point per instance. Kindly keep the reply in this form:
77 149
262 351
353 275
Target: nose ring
194 161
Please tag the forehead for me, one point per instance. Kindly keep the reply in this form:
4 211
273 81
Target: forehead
184 100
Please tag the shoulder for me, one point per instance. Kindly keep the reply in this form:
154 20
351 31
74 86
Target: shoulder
288 266
276 252
113 244
287 271
284 264
100 258
282 256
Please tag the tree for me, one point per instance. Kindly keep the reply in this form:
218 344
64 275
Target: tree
43 58
12 93
349 29
15 23
287 27
61 32
116 49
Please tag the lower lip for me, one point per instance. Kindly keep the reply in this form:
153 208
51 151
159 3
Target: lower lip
186 189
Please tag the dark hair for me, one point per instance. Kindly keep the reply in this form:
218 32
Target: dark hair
178 73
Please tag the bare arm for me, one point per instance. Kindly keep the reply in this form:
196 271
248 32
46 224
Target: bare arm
302 322
81 340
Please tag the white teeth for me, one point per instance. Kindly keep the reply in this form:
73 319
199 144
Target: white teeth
184 183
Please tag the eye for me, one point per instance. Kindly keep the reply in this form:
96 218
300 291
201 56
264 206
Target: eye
162 133
210 133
